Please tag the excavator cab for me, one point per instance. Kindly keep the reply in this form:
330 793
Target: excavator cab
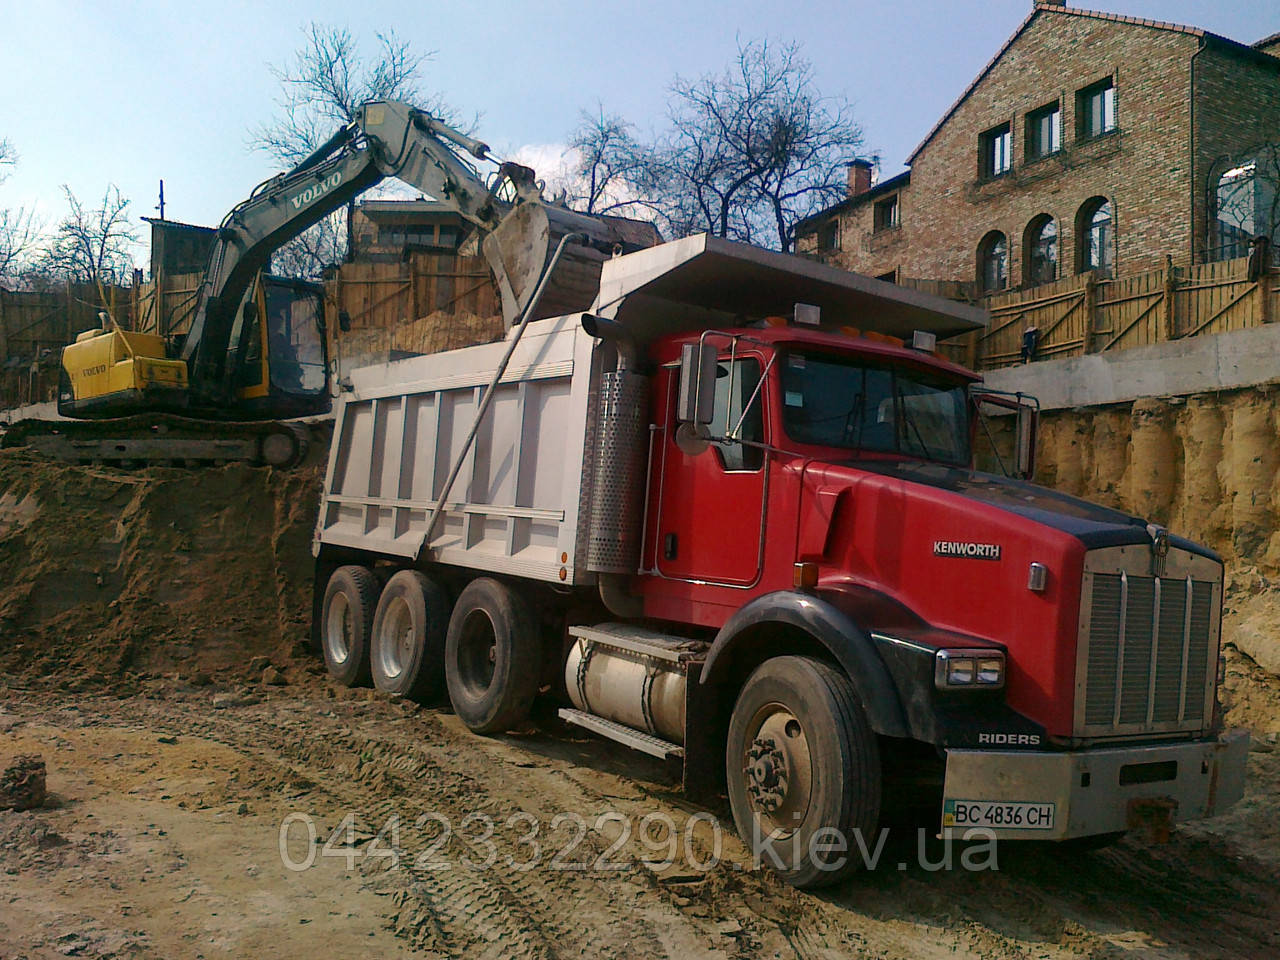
284 371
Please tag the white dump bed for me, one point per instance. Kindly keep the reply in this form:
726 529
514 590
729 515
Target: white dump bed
515 506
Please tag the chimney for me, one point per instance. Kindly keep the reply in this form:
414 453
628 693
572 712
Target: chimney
859 177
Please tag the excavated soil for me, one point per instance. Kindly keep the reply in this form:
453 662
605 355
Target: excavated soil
112 573
139 612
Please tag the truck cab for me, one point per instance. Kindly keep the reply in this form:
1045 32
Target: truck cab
1061 656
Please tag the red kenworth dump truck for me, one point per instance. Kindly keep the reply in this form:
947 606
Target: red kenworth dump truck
730 516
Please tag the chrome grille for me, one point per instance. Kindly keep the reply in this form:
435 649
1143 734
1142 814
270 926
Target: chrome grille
1147 644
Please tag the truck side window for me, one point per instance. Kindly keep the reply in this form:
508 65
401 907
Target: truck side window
735 384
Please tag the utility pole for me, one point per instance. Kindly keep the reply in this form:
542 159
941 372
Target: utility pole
160 205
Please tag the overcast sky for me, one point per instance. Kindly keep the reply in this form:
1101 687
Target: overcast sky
129 93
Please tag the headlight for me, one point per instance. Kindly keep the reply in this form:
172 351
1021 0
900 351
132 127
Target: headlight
961 669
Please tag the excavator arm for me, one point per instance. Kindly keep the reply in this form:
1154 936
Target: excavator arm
386 139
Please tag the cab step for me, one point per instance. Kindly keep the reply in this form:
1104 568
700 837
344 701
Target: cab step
634 739
638 640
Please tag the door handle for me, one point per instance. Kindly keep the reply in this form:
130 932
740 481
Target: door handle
670 544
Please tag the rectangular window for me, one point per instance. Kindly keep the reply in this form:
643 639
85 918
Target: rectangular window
406 236
738 415
886 213
1096 110
1044 131
829 236
996 146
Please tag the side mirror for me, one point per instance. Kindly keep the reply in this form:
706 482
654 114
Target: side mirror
1024 412
695 402
1025 442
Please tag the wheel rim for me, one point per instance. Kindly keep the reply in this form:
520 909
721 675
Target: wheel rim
396 639
477 653
338 629
777 768
278 449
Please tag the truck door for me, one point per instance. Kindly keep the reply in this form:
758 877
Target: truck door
711 511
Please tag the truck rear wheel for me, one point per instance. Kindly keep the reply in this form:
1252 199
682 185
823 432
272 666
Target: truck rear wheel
406 653
346 617
492 657
803 770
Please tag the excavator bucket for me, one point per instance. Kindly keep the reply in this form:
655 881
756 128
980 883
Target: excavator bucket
523 244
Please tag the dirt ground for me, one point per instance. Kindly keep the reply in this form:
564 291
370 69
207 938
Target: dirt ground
198 811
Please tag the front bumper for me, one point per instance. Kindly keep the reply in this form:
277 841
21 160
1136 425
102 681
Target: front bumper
1026 795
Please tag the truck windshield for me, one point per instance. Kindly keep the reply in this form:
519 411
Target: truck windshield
832 401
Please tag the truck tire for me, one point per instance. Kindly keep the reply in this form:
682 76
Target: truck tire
406 646
346 616
801 760
493 657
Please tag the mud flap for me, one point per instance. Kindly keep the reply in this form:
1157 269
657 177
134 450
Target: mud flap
705 729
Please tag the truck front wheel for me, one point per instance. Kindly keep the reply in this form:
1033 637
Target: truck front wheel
803 770
346 616
493 657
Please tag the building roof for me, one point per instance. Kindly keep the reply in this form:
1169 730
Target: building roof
1265 42
639 233
176 225
374 208
1249 51
848 203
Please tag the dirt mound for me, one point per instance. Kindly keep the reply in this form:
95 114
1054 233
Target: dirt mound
155 571
1250 628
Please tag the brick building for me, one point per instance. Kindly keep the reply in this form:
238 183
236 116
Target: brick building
1090 141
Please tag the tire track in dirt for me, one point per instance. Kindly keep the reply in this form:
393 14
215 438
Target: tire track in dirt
1195 897
490 913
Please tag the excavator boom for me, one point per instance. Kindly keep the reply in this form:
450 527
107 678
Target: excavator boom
386 139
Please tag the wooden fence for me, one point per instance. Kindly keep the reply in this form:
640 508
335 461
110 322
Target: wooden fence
36 324
1084 314
380 311
165 306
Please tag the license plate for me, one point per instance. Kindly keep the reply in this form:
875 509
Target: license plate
999 814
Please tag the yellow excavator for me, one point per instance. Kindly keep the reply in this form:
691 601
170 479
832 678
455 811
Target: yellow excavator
254 357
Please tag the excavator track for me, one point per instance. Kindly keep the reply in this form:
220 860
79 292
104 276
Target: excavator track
162 439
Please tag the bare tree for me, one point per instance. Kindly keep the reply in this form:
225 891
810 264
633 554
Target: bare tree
18 226
747 152
91 246
612 169
321 89
314 250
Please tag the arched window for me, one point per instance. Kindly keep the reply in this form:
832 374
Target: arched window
1244 204
993 262
1040 250
1096 229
